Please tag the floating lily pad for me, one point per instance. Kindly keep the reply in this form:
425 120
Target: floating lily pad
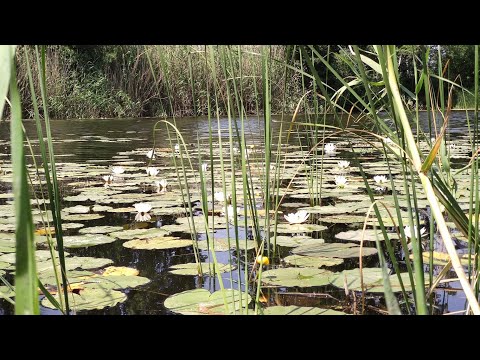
192 268
101 208
294 241
82 217
91 299
100 229
115 282
120 270
70 226
300 310
369 235
86 240
301 277
159 243
139 233
311 261
335 250
443 258
342 208
297 228
372 280
40 255
222 244
343 219
79 209
5 291
201 302
6 266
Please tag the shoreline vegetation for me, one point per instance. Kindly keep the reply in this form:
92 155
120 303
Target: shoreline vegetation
125 81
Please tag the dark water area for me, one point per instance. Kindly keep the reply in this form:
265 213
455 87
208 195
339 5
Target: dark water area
97 140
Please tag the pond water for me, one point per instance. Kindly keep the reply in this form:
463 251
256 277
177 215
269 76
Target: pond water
87 149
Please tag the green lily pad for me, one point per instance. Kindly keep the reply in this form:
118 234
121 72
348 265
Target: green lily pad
78 209
116 282
335 250
300 310
301 277
222 244
159 243
5 291
40 255
6 266
75 263
70 226
192 269
343 219
201 302
86 240
82 217
100 229
294 241
342 208
372 280
101 208
91 299
369 235
297 228
139 233
311 261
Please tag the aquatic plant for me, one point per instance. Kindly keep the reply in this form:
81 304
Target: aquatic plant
152 171
297 218
142 209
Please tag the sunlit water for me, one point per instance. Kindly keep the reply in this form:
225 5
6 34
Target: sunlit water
101 141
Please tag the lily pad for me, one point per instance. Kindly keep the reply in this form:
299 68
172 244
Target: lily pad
115 282
335 250
312 261
343 219
369 235
82 217
86 240
201 302
120 270
5 291
300 310
139 233
372 280
79 209
297 228
91 299
301 277
192 269
159 243
222 244
100 229
294 241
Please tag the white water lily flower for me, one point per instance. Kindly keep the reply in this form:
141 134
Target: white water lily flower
220 196
108 178
340 181
343 164
387 140
380 189
177 149
452 146
151 154
297 218
380 179
152 171
231 213
204 167
236 151
330 148
408 232
162 184
143 209
118 170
